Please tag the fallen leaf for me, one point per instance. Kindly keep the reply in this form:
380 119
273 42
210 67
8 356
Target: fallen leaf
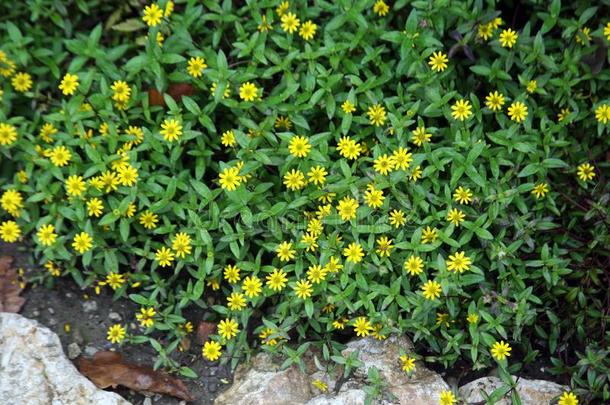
204 330
107 369
10 287
175 90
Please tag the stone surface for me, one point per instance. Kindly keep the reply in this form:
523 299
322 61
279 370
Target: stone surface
35 371
531 392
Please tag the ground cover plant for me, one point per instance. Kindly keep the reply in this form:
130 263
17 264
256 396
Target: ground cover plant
312 171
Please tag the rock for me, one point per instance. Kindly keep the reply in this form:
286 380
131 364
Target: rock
263 383
89 306
90 351
147 401
114 316
531 392
35 371
73 351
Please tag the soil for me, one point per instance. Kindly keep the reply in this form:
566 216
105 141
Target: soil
81 319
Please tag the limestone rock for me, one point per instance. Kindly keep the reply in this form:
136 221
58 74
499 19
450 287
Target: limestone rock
35 371
531 392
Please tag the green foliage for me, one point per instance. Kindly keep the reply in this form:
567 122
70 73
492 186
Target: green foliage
535 228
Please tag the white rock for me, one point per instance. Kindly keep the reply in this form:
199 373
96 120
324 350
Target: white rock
35 371
89 306
73 350
531 392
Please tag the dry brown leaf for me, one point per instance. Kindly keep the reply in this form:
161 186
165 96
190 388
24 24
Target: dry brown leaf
107 369
10 287
175 90
204 330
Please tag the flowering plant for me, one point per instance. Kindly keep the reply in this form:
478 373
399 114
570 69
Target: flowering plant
313 172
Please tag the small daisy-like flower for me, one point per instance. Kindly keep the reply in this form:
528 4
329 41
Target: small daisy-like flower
303 289
568 398
82 242
294 180
95 207
22 82
353 253
472 318
9 231
252 286
146 317
397 218
447 398
308 30
463 195
414 265
264 26
586 172
408 363
316 273
401 158
431 290
121 91
517 111
455 217
384 246
321 385
195 67
602 113
458 262
164 256
127 175
181 244
230 179
171 130
563 114
362 326
46 235
211 350
231 274
347 208
348 107
69 84
149 220
290 22
376 114
500 350
438 61
508 38
429 235
494 101
228 328
373 197
115 280
228 139
299 146
116 333
485 31
236 301
60 156
8 134
75 186
384 164
152 15
583 35
540 190
282 8
420 136
277 280
381 8
285 252
531 87
317 175
248 91
348 148
461 110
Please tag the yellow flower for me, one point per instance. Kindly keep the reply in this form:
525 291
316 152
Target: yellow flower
228 328
461 110
146 317
9 231
463 195
115 280
540 190
282 8
321 385
485 31
226 93
82 242
339 323
181 245
8 134
384 246
116 333
299 146
384 164
431 290
285 252
333 265
316 273
508 38
429 235
459 262
164 256
264 26
348 107
447 398
397 218
75 186
377 114
22 82
308 30
231 274
230 179
171 130
401 158
414 265
22 176
472 318
438 61
169 8
602 113
277 280
248 91
353 253
455 216
290 22
211 350
347 208
60 156
195 67
252 286
362 326
283 122
69 84
563 114
46 235
228 139
517 111
317 175
149 220
381 8
311 241
12 202
583 35
500 350
95 207
442 319
494 101
420 136
127 175
152 15
348 148
121 91
531 87
303 289
373 197
408 363
236 301
586 172
568 398
294 180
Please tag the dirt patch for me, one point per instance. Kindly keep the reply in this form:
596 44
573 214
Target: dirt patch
81 320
